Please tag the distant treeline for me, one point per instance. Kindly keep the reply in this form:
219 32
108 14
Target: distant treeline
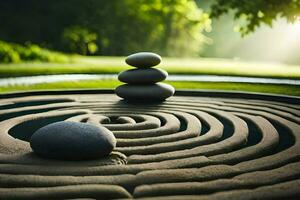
118 27
121 27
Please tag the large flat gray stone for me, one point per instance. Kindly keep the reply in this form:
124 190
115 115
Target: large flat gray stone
72 141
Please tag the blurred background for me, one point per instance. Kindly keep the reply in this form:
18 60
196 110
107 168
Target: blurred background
206 44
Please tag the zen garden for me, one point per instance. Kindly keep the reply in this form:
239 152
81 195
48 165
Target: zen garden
150 99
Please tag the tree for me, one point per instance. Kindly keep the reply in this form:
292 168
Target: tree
79 39
170 27
257 12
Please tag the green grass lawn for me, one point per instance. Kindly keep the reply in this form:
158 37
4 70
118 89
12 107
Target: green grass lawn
104 65
110 84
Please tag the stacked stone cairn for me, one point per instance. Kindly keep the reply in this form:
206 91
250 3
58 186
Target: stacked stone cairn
142 82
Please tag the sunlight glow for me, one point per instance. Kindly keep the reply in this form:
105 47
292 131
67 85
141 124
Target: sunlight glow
281 43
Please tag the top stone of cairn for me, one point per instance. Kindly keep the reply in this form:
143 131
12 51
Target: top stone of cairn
143 60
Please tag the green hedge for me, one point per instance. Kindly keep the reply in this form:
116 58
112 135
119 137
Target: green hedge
15 53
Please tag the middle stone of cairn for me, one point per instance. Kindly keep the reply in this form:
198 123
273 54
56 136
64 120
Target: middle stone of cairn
142 82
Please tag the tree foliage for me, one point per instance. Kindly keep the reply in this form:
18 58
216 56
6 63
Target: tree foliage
118 27
80 39
257 12
121 27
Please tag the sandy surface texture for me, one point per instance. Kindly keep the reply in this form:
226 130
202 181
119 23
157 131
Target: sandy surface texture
195 145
